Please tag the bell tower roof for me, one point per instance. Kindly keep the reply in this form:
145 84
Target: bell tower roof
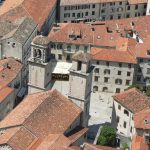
41 40
81 56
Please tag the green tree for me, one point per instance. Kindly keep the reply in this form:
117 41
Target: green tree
125 146
107 136
134 86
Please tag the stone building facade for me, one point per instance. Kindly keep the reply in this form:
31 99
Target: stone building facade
10 85
112 75
88 11
81 78
40 65
16 42
141 138
107 41
126 104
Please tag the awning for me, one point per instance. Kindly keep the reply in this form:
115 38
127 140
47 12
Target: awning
61 67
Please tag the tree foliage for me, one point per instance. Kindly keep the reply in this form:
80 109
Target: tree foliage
134 86
107 136
125 146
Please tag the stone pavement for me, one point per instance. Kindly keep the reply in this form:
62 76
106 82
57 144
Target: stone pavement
100 112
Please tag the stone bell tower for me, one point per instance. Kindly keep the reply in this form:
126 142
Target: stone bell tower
39 65
80 82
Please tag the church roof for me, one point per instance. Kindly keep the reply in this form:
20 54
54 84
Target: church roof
41 40
39 115
38 10
20 30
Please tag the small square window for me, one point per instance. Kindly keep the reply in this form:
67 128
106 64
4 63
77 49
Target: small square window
106 79
97 62
124 124
127 82
68 58
59 56
93 6
96 78
119 107
126 112
118 119
93 12
140 60
136 7
148 70
120 64
129 65
128 73
119 72
117 90
14 45
107 63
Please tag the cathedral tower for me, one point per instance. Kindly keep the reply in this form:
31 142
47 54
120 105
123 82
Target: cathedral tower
80 82
39 65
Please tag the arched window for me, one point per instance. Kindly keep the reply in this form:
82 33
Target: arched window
105 89
68 48
95 88
118 81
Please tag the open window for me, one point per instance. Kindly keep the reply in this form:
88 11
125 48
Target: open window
79 65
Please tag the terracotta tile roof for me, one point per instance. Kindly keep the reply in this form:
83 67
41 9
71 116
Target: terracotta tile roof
51 142
58 112
88 146
24 28
84 34
75 134
22 139
73 148
81 56
141 49
10 68
6 135
142 119
41 40
38 10
138 143
137 1
133 100
112 55
108 35
81 33
4 92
